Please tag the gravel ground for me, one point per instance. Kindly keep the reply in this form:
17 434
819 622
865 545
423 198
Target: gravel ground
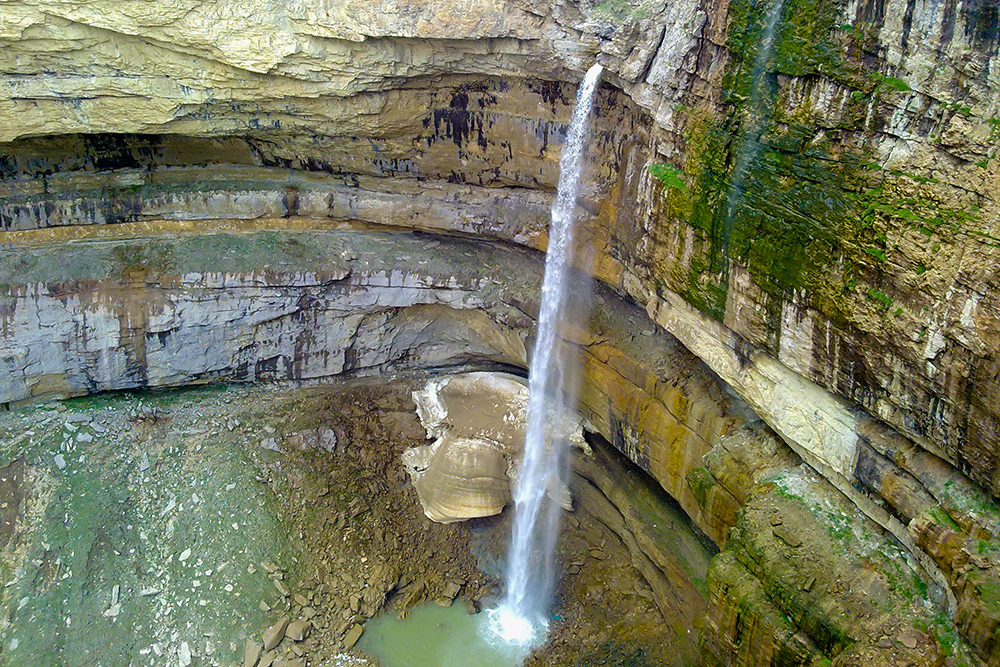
177 527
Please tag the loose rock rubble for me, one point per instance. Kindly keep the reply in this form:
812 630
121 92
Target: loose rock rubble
241 546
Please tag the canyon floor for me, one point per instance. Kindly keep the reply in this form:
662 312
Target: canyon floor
179 527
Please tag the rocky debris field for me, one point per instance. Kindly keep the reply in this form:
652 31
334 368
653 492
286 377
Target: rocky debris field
259 526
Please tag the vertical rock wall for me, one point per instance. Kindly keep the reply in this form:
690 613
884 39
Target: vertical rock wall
846 290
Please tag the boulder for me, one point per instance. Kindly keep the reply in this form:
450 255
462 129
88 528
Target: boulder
479 422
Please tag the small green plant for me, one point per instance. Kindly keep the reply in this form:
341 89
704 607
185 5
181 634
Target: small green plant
700 481
945 634
942 518
896 84
876 253
881 297
960 108
671 177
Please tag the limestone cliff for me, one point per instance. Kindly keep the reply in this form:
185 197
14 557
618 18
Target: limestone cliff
822 236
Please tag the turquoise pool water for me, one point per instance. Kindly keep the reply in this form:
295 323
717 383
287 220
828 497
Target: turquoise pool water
435 636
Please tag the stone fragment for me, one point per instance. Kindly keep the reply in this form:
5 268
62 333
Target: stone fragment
353 635
274 634
320 438
281 588
170 505
294 662
478 420
301 600
184 655
298 630
448 596
252 653
910 637
267 659
786 536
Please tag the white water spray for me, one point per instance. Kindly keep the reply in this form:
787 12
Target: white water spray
522 617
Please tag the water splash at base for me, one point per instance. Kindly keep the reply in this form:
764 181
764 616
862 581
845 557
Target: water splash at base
505 625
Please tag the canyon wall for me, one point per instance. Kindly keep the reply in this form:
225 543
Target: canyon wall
823 237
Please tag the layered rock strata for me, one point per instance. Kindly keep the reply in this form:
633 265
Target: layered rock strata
876 156
159 312
841 283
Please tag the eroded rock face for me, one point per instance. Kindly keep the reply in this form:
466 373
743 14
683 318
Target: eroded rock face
823 259
846 291
242 307
479 422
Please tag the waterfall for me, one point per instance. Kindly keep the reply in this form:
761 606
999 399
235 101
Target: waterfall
530 577
750 146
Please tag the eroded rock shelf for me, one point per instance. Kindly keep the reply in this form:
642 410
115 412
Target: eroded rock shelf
302 192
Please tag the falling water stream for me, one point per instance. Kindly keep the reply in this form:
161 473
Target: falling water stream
521 618
437 637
